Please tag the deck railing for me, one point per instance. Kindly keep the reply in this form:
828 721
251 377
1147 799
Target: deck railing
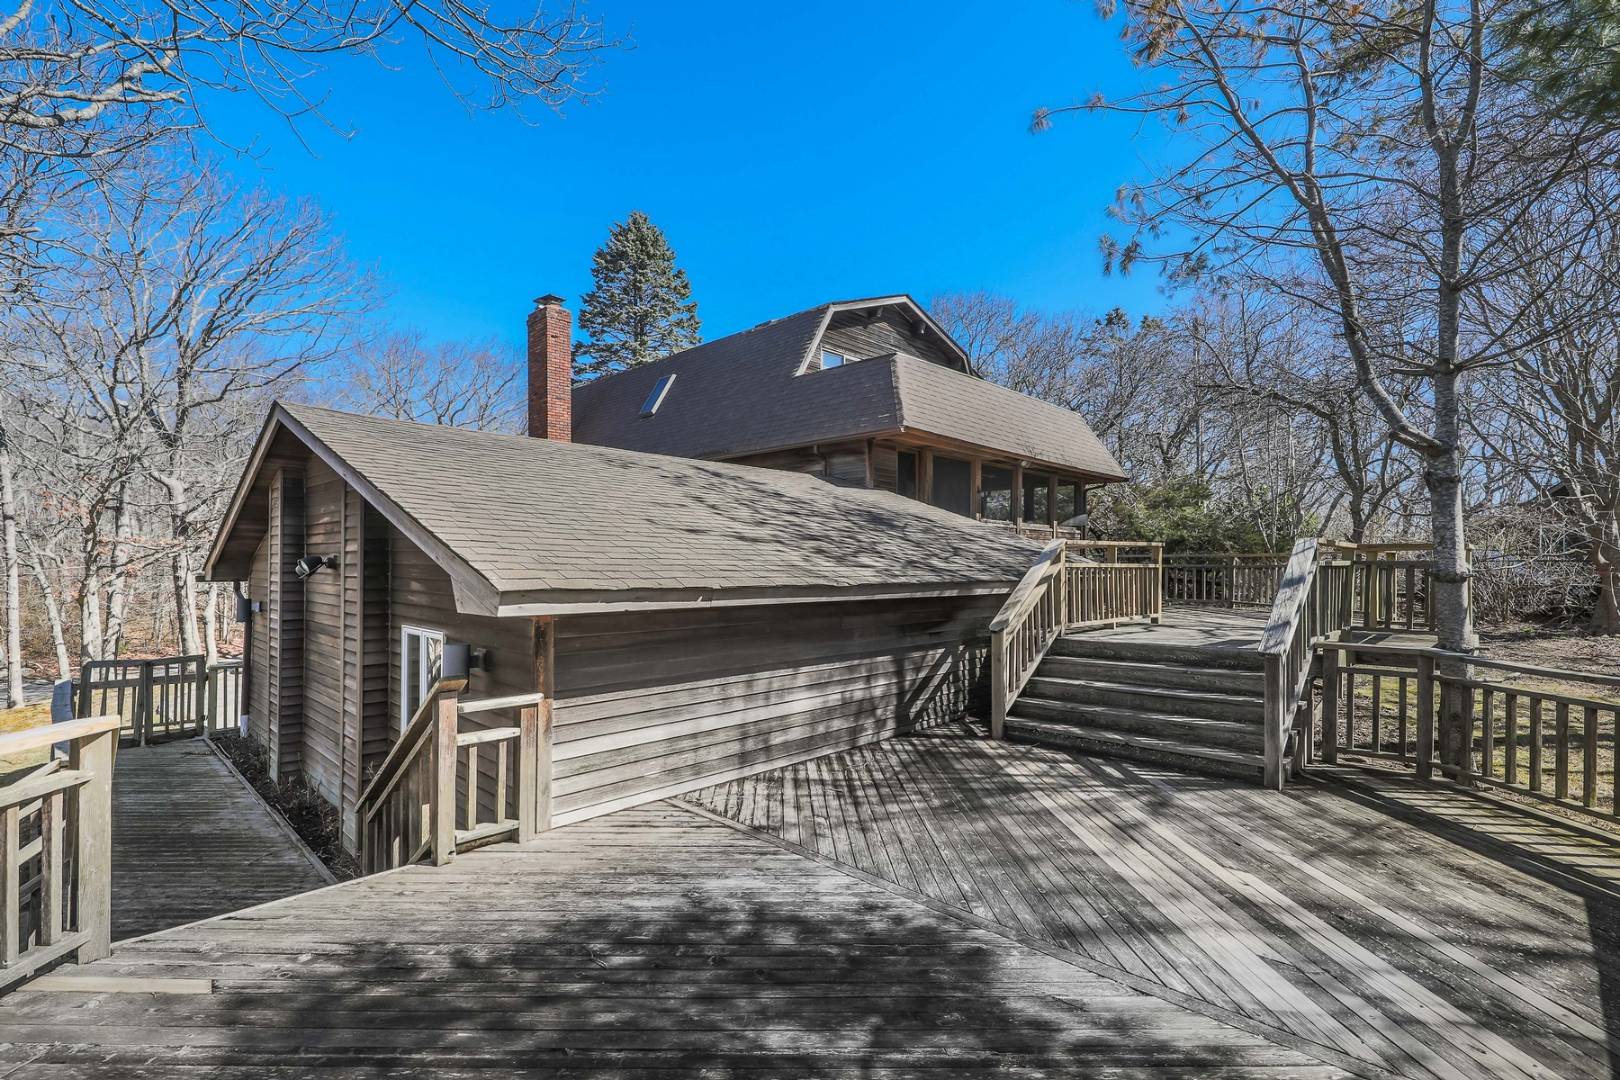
56 849
1065 591
170 697
445 788
1217 580
1532 730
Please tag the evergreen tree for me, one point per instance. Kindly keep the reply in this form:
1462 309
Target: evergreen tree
640 307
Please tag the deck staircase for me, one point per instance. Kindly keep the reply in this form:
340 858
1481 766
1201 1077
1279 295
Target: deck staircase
1196 709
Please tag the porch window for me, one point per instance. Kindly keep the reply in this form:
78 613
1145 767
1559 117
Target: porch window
995 493
1035 501
1071 502
953 485
906 474
420 652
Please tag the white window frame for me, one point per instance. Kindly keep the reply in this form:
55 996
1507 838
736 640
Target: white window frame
660 391
843 359
423 634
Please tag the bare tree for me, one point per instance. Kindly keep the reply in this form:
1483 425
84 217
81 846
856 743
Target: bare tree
81 77
461 385
1370 147
1551 418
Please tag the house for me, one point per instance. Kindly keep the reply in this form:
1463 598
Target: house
868 393
678 621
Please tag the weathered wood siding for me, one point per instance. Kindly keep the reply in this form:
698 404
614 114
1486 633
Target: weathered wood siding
653 704
852 334
284 666
259 646
323 632
365 647
419 594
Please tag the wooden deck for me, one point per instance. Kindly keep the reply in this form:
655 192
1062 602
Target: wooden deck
1423 931
191 841
932 905
1190 627
650 943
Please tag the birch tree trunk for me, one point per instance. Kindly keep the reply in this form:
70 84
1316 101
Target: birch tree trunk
53 614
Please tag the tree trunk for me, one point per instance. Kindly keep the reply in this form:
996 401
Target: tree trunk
1449 591
13 562
53 614
1606 561
112 630
211 622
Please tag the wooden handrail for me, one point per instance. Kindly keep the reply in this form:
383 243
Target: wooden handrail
406 745
56 889
409 810
18 742
1291 599
1028 588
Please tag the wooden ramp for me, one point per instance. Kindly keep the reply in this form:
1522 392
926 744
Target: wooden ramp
1420 931
648 943
190 840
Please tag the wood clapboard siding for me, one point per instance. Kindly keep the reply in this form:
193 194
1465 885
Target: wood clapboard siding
284 669
886 468
651 704
419 594
376 722
259 646
851 334
324 646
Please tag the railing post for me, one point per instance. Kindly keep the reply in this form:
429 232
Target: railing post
998 683
1425 717
1231 581
528 770
444 781
1276 706
1330 706
92 842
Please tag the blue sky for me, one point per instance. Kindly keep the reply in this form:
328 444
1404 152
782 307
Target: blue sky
792 152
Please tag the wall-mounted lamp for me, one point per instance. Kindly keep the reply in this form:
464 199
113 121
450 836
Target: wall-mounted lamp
311 563
461 659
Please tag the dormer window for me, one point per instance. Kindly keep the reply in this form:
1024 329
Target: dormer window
830 359
656 398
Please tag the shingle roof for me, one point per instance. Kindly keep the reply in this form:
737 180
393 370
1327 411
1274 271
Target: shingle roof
742 394
533 516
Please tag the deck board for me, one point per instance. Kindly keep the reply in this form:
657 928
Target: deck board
190 841
1426 930
650 942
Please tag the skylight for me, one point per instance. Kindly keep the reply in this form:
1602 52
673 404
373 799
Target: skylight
656 398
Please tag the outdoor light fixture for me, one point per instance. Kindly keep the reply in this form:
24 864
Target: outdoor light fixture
311 563
455 661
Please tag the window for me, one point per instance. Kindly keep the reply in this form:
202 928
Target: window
906 474
995 493
656 398
1035 498
1071 503
953 485
419 654
830 359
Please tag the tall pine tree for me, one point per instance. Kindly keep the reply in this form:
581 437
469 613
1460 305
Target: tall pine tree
640 307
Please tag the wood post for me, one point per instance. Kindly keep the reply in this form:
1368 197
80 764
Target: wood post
92 843
528 773
998 684
1277 708
444 781
1330 706
545 681
1425 721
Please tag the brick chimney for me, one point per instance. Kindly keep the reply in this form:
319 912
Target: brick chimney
551 368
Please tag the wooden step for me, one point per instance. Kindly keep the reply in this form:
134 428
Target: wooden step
1186 730
1216 761
1100 648
1220 679
1162 699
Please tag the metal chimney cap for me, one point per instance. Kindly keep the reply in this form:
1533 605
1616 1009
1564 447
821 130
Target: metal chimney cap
548 300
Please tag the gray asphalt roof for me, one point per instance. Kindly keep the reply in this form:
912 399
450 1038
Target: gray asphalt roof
741 394
532 515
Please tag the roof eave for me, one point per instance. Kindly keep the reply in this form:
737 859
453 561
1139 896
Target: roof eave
602 601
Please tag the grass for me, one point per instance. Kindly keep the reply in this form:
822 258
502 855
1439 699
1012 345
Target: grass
1390 691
